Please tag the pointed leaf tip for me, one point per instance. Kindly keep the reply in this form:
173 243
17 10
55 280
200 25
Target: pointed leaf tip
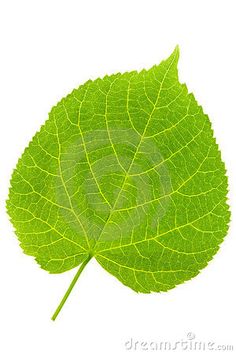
175 54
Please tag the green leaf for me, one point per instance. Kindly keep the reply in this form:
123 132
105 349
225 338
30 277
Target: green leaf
125 170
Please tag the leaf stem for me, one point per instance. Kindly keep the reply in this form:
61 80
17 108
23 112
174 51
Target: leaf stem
72 284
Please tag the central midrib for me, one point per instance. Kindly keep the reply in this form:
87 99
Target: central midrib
131 164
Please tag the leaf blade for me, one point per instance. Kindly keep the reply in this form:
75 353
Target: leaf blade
126 168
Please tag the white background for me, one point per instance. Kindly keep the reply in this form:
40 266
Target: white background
48 48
